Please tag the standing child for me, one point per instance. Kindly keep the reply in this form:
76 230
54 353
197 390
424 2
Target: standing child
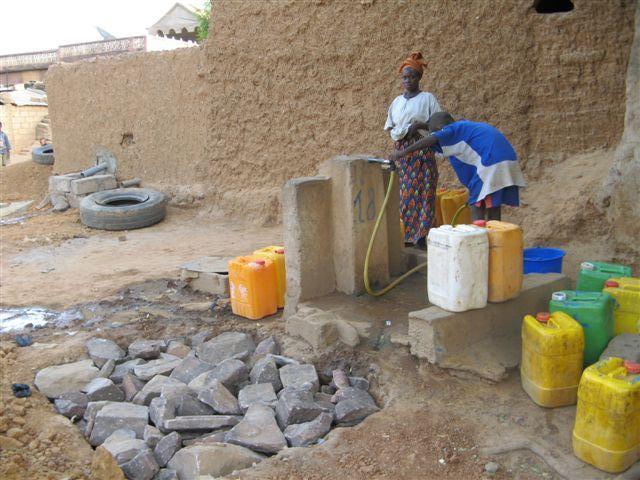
483 159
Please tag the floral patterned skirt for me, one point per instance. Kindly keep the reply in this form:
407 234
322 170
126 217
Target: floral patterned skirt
418 175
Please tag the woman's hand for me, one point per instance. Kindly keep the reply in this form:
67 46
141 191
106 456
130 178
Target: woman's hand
395 155
414 127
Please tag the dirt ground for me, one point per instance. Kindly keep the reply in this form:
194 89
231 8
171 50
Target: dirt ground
433 425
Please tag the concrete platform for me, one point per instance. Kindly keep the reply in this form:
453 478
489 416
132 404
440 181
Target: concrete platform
485 342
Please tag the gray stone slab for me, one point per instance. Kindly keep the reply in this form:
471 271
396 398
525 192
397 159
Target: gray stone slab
359 382
161 366
355 409
166 474
152 436
142 467
219 398
304 434
116 415
296 405
265 370
225 346
103 389
126 449
122 369
297 375
258 431
230 373
491 341
190 368
70 377
161 410
71 404
131 385
201 422
216 460
167 447
266 347
257 394
146 349
153 388
102 349
107 369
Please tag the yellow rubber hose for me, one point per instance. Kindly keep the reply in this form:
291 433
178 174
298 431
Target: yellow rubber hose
367 286
457 214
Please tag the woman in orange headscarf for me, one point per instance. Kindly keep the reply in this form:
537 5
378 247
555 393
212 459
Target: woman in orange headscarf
407 117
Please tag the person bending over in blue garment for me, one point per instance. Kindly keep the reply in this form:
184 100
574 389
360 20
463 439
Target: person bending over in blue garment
483 159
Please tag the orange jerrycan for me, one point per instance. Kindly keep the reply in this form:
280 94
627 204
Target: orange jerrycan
552 355
252 283
505 259
450 201
276 254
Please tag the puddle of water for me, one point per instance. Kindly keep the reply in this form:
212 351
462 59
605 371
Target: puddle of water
16 319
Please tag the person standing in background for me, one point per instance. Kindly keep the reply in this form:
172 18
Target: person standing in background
417 172
5 147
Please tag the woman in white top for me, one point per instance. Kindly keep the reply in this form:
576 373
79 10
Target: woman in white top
417 172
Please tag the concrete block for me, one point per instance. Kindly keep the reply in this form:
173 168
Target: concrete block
74 200
208 275
307 223
487 341
395 236
357 193
95 183
62 183
316 327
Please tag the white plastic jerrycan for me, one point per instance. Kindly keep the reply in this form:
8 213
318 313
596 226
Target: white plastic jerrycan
458 267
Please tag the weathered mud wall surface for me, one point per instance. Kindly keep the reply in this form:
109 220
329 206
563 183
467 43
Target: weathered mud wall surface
149 109
282 85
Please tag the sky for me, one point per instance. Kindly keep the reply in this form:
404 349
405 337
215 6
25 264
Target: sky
33 25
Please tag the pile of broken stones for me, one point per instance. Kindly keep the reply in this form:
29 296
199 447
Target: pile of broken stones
165 410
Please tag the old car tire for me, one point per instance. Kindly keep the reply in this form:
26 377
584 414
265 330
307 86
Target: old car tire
123 209
43 155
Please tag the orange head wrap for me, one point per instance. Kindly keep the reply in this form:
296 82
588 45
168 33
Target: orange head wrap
414 61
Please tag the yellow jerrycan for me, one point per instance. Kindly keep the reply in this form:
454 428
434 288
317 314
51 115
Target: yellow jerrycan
552 356
626 313
447 203
276 254
505 259
606 433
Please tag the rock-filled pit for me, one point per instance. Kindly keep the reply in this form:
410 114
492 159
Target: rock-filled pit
165 410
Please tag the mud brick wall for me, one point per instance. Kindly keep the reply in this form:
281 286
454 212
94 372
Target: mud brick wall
282 85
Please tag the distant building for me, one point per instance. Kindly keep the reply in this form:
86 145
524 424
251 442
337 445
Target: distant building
179 22
25 67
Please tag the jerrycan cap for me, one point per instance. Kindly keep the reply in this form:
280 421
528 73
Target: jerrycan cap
611 284
480 223
280 251
559 296
543 317
632 367
587 266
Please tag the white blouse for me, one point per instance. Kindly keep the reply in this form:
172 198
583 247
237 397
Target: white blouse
403 112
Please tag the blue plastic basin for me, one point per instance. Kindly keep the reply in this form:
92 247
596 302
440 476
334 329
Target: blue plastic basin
543 260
